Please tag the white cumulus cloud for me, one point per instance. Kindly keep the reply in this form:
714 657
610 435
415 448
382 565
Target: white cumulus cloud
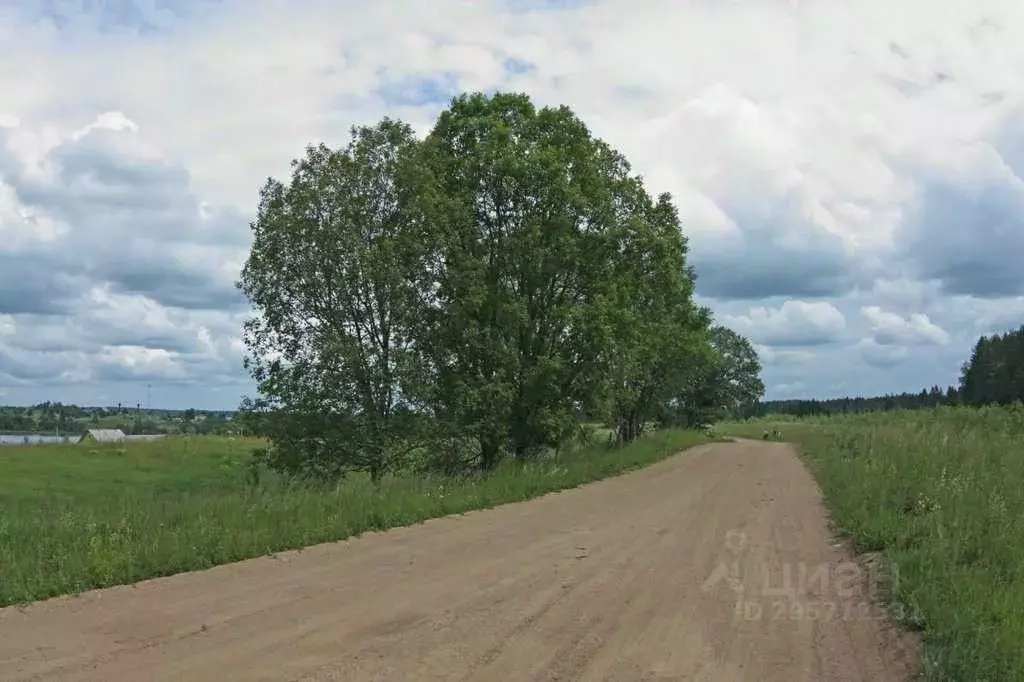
890 329
849 174
794 323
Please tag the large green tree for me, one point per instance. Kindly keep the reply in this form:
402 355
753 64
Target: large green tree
734 375
526 215
654 327
722 379
336 277
486 285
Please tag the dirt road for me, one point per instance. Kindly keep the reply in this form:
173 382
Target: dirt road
675 572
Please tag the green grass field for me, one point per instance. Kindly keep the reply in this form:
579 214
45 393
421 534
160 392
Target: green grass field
76 517
940 495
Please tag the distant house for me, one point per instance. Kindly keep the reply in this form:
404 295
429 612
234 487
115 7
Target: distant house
103 436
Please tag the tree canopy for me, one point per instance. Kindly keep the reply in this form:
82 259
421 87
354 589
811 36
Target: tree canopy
488 283
994 373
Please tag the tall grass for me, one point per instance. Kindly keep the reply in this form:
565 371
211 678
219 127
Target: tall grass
940 495
78 517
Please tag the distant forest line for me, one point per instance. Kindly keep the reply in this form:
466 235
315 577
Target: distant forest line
55 418
992 375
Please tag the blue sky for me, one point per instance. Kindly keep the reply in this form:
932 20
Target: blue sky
848 174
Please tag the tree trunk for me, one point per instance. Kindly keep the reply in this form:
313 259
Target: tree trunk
628 429
376 471
490 453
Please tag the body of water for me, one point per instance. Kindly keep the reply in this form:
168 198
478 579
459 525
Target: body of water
13 439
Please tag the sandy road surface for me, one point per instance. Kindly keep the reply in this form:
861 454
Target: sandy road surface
626 579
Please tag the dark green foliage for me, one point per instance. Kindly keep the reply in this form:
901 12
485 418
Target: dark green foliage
335 275
470 296
722 380
523 229
57 419
933 397
994 374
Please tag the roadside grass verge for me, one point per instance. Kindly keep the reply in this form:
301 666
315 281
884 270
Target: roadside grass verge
939 495
74 518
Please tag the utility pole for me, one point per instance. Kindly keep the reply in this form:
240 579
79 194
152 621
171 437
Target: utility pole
149 397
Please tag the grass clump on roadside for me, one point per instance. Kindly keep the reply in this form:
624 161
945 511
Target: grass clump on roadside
74 518
939 494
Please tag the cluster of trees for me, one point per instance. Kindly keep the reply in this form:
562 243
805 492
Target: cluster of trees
926 398
994 374
485 286
51 418
45 417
